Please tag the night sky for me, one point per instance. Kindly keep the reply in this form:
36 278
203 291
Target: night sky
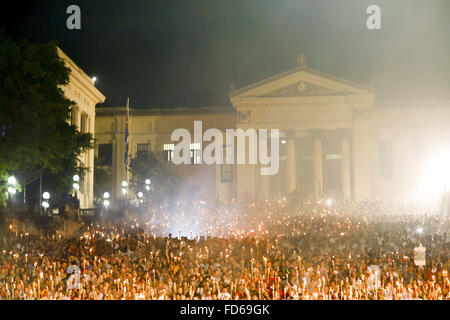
188 53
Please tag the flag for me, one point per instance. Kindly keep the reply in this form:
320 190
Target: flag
127 136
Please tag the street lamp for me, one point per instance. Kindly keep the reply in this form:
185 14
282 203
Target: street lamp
12 181
12 186
106 201
76 186
45 203
124 187
140 195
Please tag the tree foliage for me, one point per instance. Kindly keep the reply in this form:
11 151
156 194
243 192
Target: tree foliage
164 178
102 178
35 132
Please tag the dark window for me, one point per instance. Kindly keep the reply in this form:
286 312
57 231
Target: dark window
143 148
386 163
105 154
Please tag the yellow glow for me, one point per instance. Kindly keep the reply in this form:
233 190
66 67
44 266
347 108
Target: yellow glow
434 179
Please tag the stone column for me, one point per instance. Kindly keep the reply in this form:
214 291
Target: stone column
318 167
345 167
361 154
291 176
246 180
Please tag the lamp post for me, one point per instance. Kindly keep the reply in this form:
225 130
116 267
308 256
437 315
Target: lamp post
45 203
76 186
12 182
124 188
124 194
106 200
147 187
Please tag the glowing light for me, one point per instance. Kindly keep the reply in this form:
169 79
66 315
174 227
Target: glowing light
124 184
76 186
419 230
124 191
283 141
147 181
12 181
434 178
106 195
11 190
147 188
45 204
76 178
94 79
140 194
329 202
46 195
106 203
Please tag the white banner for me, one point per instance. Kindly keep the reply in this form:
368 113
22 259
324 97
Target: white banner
419 256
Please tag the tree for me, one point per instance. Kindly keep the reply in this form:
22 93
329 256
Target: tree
102 178
162 174
35 133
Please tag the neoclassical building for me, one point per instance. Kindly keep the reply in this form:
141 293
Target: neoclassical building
81 89
334 139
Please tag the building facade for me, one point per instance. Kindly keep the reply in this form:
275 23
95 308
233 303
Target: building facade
151 130
334 140
81 89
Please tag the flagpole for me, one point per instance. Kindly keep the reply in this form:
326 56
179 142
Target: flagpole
128 116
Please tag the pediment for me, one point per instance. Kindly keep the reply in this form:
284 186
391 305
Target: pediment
304 89
300 82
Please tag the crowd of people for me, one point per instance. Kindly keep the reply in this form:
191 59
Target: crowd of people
257 251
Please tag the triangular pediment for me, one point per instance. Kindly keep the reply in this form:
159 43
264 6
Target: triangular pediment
304 89
300 82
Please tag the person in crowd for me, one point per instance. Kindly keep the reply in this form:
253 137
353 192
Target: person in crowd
256 251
